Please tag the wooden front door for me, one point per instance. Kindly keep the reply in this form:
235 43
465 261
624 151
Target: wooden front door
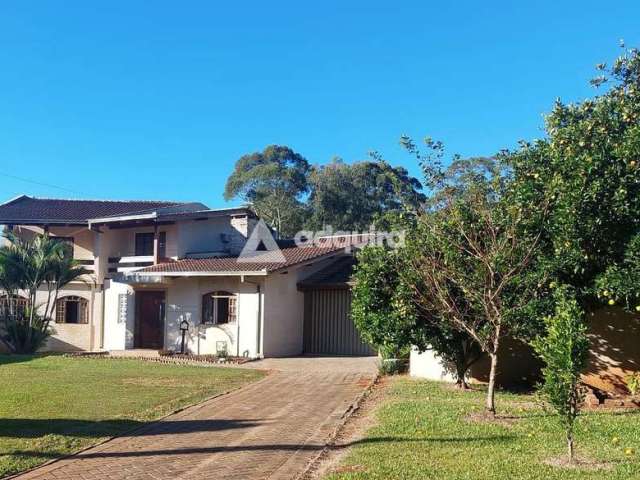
149 332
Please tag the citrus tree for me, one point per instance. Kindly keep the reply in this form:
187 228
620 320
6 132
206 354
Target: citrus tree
587 170
564 349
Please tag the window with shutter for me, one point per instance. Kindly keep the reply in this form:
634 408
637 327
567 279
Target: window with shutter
219 307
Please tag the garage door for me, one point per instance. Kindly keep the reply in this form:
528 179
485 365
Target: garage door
328 328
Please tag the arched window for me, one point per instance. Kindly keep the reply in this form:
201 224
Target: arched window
12 304
72 310
219 307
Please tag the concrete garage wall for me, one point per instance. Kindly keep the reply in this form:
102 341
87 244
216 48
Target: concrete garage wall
284 310
517 365
283 315
615 349
614 355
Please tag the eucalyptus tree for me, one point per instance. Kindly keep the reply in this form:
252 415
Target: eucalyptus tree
274 181
354 196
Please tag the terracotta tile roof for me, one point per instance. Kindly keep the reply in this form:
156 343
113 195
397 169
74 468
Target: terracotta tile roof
336 275
26 209
261 261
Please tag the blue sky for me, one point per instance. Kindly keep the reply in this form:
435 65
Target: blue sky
156 100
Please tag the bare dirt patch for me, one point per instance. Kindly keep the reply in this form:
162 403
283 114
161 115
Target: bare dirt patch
498 419
578 464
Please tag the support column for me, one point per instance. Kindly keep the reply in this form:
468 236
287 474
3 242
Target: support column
156 245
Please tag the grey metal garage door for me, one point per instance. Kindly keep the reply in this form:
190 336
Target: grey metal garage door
328 328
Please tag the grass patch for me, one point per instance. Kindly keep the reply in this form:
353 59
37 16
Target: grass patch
424 432
51 406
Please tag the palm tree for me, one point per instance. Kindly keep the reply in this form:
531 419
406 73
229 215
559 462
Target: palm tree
29 266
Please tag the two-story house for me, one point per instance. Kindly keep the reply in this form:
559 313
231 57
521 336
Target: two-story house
157 266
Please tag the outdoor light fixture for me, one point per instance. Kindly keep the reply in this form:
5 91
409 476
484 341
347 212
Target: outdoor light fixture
184 327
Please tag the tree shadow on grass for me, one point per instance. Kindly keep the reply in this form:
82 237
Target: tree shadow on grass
283 447
36 428
10 358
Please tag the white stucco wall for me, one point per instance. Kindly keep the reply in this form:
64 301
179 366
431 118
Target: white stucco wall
184 301
118 329
121 242
428 365
205 236
68 337
82 238
284 310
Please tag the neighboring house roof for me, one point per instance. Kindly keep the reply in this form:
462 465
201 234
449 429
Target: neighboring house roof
30 210
25 210
337 275
264 262
187 211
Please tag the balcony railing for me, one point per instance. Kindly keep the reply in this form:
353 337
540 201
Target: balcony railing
129 263
87 265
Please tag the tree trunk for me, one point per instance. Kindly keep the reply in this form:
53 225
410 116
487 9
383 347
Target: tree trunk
572 453
461 373
462 384
491 403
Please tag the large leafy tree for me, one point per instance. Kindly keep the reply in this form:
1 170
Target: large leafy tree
386 315
353 196
274 182
587 170
471 255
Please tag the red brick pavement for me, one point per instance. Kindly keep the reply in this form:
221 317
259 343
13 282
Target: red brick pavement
268 430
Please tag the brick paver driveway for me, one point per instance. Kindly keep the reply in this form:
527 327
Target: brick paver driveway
270 429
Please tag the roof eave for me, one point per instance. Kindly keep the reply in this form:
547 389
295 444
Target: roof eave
122 218
42 222
212 273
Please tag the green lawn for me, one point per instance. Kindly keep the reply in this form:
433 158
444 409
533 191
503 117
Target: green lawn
52 405
424 433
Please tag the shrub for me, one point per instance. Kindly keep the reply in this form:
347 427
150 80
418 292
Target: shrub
24 333
564 350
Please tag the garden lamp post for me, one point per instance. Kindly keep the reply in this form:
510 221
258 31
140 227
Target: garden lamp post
184 327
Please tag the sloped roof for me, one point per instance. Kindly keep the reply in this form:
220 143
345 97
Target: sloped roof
30 210
336 275
262 262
